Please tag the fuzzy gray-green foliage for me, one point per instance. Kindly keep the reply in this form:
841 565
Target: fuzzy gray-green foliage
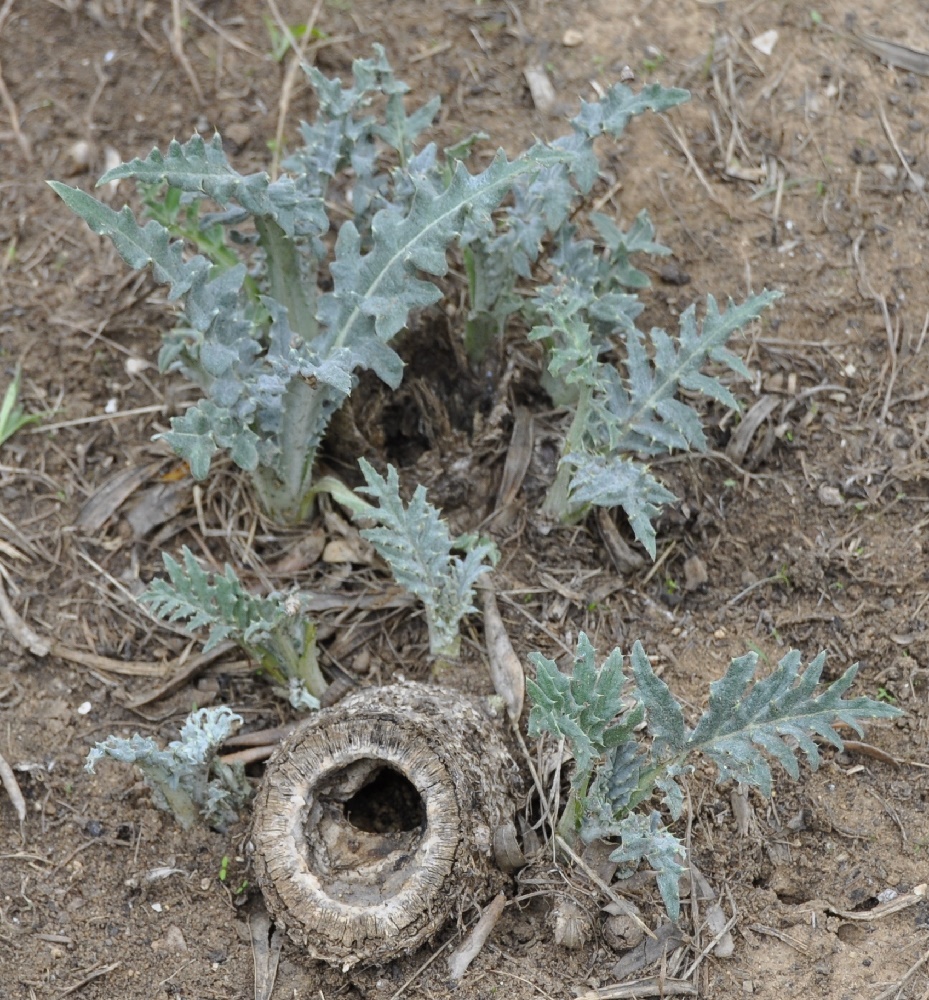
275 355
416 544
185 777
624 413
273 630
746 724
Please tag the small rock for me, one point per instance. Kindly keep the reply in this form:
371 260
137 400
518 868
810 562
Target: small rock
540 87
621 931
888 171
765 42
829 496
671 274
173 941
572 38
695 574
238 133
81 155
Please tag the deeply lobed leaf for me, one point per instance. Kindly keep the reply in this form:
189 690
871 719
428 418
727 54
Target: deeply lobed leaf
584 707
745 724
776 716
185 777
218 602
416 544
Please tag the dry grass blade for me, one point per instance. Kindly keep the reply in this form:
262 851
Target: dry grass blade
654 986
505 669
13 114
741 440
694 166
299 48
266 953
227 36
7 99
518 456
89 978
176 38
895 54
470 948
918 183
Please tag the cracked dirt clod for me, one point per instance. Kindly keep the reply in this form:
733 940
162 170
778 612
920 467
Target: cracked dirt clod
375 821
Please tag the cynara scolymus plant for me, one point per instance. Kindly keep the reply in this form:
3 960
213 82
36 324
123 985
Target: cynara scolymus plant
415 543
622 414
630 745
273 353
621 385
273 630
185 777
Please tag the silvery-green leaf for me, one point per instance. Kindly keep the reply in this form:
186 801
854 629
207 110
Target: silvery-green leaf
416 544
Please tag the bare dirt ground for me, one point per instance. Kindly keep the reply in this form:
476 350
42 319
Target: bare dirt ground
803 169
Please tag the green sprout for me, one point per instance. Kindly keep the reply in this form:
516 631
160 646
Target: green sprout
12 415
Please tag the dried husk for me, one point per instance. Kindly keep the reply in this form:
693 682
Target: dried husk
348 895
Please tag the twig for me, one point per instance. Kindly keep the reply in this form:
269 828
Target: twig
893 344
185 672
781 936
659 562
421 969
31 640
12 789
897 988
885 124
97 418
778 577
470 948
653 986
506 671
624 906
435 50
694 166
918 895
695 964
89 978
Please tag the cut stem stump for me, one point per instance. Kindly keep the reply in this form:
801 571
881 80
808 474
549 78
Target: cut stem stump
376 821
